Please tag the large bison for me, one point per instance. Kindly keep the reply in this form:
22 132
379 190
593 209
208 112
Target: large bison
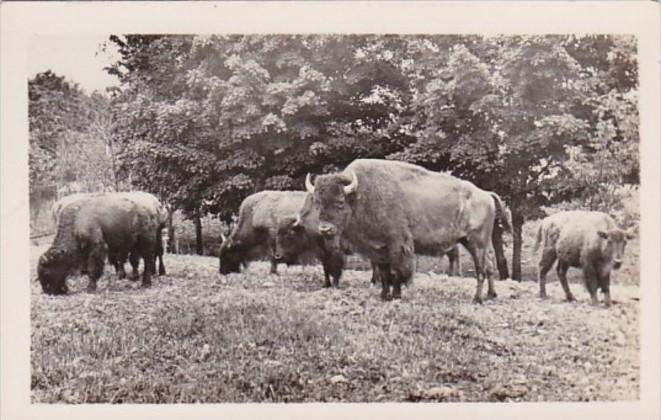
259 217
585 239
389 211
90 229
295 235
146 200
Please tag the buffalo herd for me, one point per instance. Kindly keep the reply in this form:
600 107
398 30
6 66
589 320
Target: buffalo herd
386 211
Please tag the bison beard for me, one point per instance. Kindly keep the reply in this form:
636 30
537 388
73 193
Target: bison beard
389 211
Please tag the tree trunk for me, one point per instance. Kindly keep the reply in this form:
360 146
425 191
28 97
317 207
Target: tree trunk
171 239
501 261
517 228
199 248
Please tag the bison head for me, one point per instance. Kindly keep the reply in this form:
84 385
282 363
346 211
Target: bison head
613 244
52 271
332 197
230 258
292 238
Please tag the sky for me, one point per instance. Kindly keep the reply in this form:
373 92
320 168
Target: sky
79 58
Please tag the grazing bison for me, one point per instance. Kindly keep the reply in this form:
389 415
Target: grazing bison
87 231
388 211
256 230
584 239
146 200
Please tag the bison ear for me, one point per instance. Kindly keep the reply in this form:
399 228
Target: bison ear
602 234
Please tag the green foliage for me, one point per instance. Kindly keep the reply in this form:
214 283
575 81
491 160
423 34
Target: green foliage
207 120
69 135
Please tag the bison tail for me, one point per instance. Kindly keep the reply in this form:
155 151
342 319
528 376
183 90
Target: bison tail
503 217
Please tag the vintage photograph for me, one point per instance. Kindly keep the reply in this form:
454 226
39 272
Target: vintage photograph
289 187
334 217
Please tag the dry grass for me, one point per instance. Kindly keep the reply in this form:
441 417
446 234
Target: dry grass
196 336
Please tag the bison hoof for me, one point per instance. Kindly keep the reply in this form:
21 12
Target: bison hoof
386 297
491 295
91 289
543 296
161 272
146 285
477 299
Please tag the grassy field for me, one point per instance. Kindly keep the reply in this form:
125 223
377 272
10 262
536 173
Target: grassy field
196 336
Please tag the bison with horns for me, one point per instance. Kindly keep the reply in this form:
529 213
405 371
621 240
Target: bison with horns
389 211
255 233
90 229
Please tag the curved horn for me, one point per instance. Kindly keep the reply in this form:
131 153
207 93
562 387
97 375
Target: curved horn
348 189
308 184
297 221
223 237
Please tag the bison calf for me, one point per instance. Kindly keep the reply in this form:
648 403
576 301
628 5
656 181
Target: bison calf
583 239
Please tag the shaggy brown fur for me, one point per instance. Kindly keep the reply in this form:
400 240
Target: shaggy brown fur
88 231
146 200
398 210
583 239
255 234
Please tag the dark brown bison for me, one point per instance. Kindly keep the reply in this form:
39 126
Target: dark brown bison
146 200
295 236
89 230
584 239
389 211
255 234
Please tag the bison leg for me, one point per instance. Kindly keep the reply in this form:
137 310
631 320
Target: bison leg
134 259
453 257
146 249
478 256
159 253
561 270
118 259
384 273
545 264
605 282
375 274
161 266
396 286
95 262
590 277
402 266
333 264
